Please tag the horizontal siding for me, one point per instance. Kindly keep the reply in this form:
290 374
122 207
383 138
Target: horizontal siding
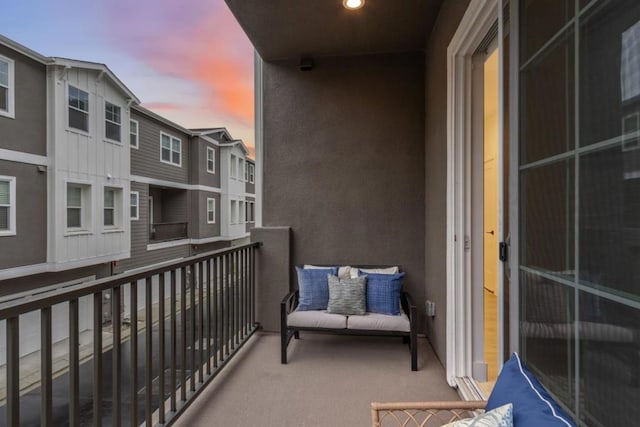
27 131
204 229
145 161
199 164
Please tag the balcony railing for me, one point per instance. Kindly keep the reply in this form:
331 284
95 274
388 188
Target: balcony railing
161 232
158 337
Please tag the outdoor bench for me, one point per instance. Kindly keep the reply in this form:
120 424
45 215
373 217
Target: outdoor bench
403 325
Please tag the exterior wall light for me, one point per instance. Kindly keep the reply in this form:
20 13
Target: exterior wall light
353 4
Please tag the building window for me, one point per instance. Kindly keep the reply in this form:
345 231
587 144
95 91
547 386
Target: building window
233 214
112 121
78 109
7 206
7 87
241 170
112 207
211 210
211 160
243 213
170 149
233 167
252 213
133 133
251 173
78 206
134 205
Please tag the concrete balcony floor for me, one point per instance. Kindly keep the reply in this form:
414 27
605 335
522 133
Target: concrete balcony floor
329 381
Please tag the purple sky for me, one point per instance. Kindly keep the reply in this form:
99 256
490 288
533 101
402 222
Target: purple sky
187 60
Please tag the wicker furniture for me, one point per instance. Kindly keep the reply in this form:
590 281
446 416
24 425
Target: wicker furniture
422 414
287 331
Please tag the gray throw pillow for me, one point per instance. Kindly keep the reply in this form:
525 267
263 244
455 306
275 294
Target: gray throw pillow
347 296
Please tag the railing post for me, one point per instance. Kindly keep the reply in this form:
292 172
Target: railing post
116 355
97 359
183 326
161 347
133 338
13 372
74 362
148 360
46 382
172 339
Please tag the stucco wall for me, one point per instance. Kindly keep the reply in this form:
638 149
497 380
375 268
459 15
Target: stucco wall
344 161
451 13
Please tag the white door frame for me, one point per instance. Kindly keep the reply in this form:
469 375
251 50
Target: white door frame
476 22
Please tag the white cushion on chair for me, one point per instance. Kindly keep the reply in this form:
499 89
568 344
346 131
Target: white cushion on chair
380 322
317 319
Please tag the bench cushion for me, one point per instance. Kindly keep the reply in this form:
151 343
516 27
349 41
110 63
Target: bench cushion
380 322
316 319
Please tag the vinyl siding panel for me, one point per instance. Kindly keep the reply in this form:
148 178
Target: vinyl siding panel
27 131
200 175
29 245
145 161
203 229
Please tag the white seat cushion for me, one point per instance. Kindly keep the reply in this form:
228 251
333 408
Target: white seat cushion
317 319
380 322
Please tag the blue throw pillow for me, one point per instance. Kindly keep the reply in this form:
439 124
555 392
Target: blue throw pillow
383 292
532 405
313 285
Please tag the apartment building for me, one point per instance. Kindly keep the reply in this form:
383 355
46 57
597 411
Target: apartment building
64 167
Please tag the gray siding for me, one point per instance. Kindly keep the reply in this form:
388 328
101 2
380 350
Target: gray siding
201 228
140 257
435 261
27 131
199 173
251 188
29 245
346 170
145 161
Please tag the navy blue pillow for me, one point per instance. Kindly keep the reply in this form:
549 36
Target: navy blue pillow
313 285
532 405
383 292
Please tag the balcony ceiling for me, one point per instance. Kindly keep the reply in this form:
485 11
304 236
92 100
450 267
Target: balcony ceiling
281 29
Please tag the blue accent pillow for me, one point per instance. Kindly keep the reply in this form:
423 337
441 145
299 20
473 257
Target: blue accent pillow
532 405
313 285
383 292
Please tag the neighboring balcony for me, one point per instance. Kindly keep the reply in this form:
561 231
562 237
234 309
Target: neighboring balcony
168 216
163 232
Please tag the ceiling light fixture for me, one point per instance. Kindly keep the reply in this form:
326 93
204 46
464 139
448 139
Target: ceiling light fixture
353 4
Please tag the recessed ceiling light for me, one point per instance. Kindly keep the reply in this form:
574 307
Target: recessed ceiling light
353 4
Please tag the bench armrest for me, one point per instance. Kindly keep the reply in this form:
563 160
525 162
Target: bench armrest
409 306
289 303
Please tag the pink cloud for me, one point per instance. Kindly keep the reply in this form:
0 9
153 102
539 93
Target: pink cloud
194 40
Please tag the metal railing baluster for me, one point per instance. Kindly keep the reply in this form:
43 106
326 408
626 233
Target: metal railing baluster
74 365
117 355
148 349
13 372
161 349
133 341
46 381
97 359
172 339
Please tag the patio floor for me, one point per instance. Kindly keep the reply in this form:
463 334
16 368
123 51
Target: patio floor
329 381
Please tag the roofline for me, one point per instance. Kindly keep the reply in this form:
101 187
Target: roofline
12 44
237 142
75 63
215 130
162 119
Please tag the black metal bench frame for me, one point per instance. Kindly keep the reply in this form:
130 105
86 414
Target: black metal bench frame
290 302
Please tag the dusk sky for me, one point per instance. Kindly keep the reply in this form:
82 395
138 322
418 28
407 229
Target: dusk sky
186 60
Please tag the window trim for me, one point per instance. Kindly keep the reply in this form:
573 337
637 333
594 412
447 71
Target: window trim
252 212
137 134
112 122
11 231
233 166
242 174
213 160
231 215
137 205
11 92
86 219
252 171
118 208
88 112
171 139
211 199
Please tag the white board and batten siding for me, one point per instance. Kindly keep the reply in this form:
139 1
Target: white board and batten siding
232 189
86 158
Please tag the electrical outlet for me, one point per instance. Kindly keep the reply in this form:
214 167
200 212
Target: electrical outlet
430 308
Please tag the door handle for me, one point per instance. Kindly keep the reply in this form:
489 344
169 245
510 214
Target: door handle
490 232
